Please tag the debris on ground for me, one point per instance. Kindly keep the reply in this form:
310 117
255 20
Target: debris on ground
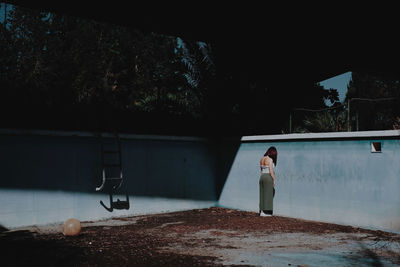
203 237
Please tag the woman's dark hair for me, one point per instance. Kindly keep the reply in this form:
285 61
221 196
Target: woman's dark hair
272 153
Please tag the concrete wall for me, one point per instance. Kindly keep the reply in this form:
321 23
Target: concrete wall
326 177
47 177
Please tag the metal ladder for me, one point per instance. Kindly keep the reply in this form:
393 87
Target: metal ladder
112 152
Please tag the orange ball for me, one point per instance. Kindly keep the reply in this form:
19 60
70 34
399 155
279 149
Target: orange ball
72 227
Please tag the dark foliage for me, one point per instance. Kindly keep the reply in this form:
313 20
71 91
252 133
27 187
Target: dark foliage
67 73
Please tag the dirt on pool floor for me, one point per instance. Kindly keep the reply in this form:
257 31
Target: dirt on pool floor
203 237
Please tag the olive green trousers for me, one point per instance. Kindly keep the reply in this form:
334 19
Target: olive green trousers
266 193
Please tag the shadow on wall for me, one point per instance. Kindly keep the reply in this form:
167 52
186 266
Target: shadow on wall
49 162
226 153
172 168
3 229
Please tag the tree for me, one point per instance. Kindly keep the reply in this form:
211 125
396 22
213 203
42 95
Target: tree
57 67
315 115
199 73
64 72
374 101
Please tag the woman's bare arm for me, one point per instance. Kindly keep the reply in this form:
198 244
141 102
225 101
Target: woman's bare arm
271 170
261 163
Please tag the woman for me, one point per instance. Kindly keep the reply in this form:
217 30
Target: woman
267 181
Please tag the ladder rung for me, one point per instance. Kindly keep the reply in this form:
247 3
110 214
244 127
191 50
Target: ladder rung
112 165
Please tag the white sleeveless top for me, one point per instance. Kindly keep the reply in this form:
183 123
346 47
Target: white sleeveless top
265 168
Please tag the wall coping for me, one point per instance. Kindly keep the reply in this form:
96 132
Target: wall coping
384 134
97 135
322 136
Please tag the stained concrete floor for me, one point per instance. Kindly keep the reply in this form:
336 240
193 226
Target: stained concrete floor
204 237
